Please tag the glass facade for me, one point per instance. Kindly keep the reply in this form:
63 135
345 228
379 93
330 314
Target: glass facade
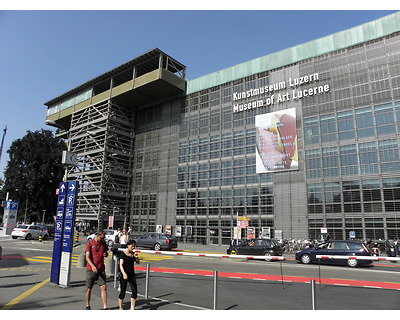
348 152
352 146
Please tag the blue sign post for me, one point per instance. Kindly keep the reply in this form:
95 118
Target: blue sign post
10 216
68 232
58 233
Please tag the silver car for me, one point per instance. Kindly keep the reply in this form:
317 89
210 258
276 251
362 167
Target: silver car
28 232
111 236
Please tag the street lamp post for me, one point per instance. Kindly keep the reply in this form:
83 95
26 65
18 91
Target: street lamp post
26 207
44 212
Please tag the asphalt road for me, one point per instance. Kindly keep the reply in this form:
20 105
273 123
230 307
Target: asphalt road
242 284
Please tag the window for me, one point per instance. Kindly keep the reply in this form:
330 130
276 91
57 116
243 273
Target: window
365 122
313 163
389 155
385 121
330 162
371 190
368 158
311 131
346 129
328 128
349 160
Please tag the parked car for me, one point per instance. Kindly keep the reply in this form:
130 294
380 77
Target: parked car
338 248
256 247
156 241
111 236
28 232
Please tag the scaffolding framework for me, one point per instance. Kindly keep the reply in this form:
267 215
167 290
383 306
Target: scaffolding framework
98 119
102 137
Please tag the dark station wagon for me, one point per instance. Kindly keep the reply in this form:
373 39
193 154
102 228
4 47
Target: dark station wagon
257 247
338 248
156 241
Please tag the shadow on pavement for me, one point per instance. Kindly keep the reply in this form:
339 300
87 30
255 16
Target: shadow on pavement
13 261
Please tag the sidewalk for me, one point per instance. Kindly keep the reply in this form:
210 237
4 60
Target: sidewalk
48 296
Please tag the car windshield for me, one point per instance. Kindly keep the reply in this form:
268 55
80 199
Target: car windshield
20 226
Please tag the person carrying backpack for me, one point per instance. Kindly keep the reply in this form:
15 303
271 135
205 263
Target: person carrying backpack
96 251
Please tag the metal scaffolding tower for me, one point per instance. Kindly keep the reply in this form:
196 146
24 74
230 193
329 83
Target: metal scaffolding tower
102 138
98 118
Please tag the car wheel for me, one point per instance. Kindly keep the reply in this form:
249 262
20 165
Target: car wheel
45 237
352 263
157 247
268 256
306 259
14 237
28 236
110 243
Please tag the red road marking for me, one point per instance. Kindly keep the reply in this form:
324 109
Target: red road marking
12 257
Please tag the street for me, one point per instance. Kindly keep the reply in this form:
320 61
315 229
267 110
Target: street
187 283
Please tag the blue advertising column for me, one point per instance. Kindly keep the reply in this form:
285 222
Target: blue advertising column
68 233
58 233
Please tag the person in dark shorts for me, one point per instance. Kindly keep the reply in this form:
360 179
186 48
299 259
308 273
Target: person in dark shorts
127 260
96 251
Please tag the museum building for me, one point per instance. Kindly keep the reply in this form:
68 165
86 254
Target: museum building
295 143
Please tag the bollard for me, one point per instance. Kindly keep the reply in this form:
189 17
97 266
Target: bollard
108 264
215 289
116 263
81 261
77 238
313 297
40 238
146 293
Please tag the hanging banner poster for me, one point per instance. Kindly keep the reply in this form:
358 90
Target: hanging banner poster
276 141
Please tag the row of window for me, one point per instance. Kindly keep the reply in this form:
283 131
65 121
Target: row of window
365 228
353 124
355 159
226 211
354 196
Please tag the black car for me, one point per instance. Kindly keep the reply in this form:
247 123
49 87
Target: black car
156 241
338 248
256 247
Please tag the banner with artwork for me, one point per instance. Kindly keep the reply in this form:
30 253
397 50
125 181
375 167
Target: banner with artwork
276 141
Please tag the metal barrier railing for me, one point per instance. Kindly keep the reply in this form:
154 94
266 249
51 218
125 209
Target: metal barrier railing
210 255
313 282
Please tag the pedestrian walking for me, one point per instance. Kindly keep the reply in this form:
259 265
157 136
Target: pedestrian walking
96 251
123 238
127 260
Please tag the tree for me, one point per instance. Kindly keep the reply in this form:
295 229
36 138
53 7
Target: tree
33 173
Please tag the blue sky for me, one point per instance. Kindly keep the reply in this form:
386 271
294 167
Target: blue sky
46 53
